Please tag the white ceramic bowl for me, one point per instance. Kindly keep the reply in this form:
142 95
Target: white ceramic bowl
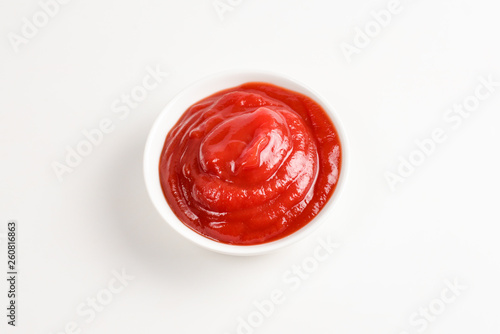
194 93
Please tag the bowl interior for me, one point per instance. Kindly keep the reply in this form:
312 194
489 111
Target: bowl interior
172 112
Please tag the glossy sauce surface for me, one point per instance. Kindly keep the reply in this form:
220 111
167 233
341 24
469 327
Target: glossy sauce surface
250 164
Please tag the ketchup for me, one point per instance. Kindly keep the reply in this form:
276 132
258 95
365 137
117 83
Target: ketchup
250 164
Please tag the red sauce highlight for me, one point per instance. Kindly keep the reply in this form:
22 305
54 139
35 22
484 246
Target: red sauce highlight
250 164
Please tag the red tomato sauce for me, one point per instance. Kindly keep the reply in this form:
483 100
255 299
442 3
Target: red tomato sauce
250 164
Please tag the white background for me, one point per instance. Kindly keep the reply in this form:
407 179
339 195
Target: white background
397 248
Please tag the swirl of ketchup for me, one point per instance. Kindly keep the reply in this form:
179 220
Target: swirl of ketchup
250 164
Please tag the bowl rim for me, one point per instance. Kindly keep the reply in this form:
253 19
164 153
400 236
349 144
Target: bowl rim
170 115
